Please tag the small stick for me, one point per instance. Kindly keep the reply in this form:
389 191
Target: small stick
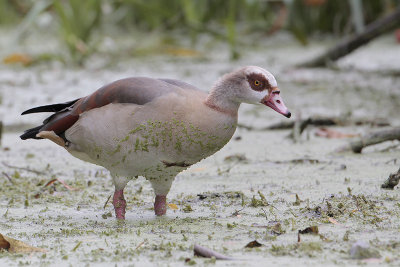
347 45
67 186
141 244
8 177
105 204
208 253
22 168
371 139
77 246
319 121
52 181
49 183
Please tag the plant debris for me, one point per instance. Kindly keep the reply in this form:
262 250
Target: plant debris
8 177
262 202
391 181
105 204
298 201
371 139
330 133
52 181
187 208
23 168
321 121
18 58
172 206
140 244
16 246
208 253
77 246
235 157
309 230
276 228
254 244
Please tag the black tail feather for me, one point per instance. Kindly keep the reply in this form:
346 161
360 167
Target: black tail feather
49 108
31 133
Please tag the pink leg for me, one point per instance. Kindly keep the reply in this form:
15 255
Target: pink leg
160 205
119 204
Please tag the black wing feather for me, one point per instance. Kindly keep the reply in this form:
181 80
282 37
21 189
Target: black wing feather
50 108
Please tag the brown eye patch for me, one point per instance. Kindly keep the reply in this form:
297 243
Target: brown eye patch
258 82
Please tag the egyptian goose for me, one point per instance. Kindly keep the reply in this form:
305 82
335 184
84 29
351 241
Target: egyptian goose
154 128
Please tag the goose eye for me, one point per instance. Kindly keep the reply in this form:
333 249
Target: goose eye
256 82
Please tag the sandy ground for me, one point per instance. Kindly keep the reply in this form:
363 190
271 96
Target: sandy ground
222 204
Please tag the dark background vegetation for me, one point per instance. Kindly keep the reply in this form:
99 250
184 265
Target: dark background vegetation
235 22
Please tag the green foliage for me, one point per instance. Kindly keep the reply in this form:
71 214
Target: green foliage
78 19
216 17
10 11
231 21
330 16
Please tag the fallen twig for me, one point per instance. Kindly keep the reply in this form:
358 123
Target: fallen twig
237 212
8 177
299 161
141 244
320 121
315 121
208 253
23 168
371 139
52 181
77 246
62 182
105 204
330 133
391 181
346 46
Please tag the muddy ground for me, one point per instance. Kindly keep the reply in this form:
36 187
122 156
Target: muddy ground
245 192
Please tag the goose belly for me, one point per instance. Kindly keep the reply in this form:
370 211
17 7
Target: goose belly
135 144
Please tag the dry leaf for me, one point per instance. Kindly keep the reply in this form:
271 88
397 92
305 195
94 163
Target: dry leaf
173 206
329 133
309 230
253 244
16 246
18 58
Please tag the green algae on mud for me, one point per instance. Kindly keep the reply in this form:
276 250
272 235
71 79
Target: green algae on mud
269 196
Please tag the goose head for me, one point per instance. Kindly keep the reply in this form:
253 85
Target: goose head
252 85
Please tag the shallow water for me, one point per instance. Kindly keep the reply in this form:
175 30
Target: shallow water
345 187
